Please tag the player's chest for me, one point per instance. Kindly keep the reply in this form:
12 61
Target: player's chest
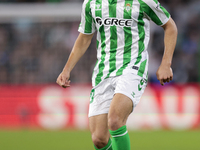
115 9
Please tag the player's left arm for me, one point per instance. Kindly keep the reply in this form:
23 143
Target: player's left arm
164 72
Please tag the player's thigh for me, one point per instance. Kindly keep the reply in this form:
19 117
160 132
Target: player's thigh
128 91
98 126
120 108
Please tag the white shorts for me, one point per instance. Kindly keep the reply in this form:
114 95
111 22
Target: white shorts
101 96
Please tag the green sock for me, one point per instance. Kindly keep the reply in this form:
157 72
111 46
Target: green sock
120 139
107 147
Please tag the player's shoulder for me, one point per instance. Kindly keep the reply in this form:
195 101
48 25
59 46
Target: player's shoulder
146 4
86 4
150 2
88 1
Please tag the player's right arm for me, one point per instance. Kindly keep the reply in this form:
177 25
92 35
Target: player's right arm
80 46
86 29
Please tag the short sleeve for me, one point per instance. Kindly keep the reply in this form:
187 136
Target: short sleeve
87 25
155 11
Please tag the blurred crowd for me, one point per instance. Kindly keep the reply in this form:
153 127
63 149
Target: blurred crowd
36 52
170 2
38 1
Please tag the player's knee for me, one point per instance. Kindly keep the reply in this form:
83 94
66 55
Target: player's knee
99 141
114 122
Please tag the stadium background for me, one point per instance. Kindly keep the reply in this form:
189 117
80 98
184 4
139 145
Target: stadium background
36 37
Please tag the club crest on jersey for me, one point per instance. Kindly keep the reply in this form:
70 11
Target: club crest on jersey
128 7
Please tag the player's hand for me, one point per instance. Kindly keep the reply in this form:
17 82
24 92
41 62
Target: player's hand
63 79
164 74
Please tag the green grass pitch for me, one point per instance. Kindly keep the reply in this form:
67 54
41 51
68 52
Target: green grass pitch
81 140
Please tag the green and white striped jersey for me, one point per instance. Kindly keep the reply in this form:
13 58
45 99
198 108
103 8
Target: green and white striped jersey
123 32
